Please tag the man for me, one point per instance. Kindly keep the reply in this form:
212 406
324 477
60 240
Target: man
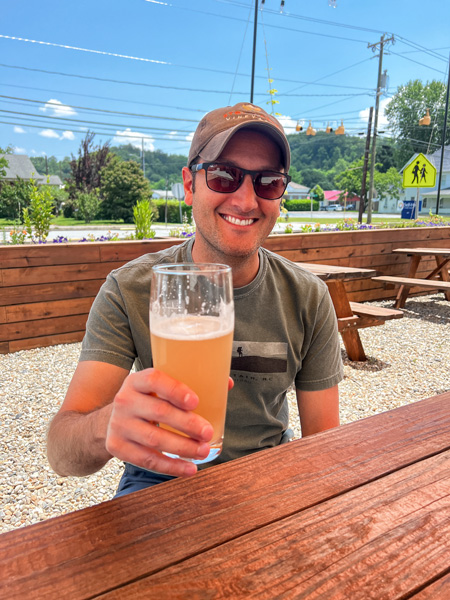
235 178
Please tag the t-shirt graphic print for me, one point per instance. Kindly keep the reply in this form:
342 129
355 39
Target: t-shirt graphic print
259 357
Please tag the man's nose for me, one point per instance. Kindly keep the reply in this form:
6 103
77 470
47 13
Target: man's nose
245 195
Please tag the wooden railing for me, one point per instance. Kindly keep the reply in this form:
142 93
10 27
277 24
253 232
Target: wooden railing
46 290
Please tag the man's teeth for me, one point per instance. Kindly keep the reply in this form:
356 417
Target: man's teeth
242 222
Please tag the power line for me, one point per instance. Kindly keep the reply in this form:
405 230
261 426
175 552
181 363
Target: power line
52 103
170 87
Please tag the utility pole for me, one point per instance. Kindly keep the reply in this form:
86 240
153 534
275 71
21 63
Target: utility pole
444 133
362 202
255 29
143 159
381 43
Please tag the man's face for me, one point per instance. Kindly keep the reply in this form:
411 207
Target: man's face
235 224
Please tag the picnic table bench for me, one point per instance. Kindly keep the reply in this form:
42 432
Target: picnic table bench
437 279
351 316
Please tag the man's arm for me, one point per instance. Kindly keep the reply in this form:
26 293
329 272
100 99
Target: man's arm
318 410
108 412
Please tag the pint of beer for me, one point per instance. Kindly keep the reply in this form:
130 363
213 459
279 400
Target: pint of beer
191 328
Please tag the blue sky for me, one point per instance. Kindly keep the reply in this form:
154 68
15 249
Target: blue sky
136 70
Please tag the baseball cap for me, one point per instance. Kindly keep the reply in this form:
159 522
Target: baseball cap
218 126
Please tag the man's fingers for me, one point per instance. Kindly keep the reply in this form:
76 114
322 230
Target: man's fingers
152 381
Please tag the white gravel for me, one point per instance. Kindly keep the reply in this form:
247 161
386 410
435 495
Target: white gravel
409 359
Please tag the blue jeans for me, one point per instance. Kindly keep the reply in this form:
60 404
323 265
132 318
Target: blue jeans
135 478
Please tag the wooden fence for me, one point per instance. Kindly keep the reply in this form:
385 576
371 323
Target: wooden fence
46 291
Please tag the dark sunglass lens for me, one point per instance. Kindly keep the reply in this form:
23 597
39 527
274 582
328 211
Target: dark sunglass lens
223 179
270 186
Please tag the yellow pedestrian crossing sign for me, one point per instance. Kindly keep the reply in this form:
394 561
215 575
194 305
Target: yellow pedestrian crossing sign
419 173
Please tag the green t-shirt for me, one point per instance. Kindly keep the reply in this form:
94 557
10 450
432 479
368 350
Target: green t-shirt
285 333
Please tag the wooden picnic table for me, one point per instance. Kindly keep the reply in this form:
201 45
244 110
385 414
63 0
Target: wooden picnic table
360 511
437 279
351 316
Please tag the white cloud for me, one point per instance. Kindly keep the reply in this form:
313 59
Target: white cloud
57 108
289 124
382 120
49 133
190 136
18 129
18 150
134 138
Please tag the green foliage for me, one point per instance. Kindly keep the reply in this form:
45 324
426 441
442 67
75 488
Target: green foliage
14 196
159 166
88 204
317 194
143 217
123 186
403 112
312 177
173 211
87 168
301 205
53 166
38 216
388 184
296 175
185 231
351 179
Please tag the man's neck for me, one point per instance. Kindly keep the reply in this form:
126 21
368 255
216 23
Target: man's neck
244 269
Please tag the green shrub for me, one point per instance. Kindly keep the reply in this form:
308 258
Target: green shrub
173 211
143 217
301 205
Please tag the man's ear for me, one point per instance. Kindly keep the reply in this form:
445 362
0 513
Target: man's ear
187 183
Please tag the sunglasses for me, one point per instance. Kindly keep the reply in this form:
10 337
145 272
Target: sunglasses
225 179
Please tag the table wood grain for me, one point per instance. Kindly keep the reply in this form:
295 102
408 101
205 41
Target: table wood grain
360 511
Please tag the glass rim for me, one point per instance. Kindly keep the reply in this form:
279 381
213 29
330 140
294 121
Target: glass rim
182 268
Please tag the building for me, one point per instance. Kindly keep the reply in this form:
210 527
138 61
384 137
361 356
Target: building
296 191
20 165
349 201
427 196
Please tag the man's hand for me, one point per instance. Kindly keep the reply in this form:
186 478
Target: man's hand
149 398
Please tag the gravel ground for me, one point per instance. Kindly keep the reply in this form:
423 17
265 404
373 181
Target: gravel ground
409 360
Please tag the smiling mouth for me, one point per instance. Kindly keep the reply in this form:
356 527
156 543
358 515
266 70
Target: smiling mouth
239 222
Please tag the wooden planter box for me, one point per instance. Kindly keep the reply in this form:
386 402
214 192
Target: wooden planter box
46 291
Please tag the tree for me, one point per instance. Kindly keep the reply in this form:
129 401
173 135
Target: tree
38 216
14 197
312 177
389 184
296 175
386 184
123 186
86 169
88 205
403 112
317 194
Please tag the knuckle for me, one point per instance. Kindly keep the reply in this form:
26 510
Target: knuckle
160 410
150 462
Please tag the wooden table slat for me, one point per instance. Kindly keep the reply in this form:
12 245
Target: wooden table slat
95 550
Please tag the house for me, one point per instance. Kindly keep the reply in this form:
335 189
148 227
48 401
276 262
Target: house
20 165
427 196
340 197
162 195
295 191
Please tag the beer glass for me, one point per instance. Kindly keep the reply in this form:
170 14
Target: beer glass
191 329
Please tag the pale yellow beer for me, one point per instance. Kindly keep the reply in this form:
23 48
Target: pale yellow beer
191 328
195 351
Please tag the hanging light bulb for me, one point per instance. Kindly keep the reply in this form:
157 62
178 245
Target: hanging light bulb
329 129
281 6
298 127
426 120
332 3
341 129
310 130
